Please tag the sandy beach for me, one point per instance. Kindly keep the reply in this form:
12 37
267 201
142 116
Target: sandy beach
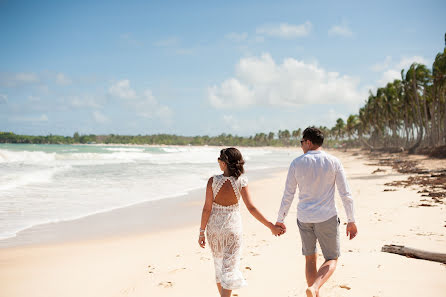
167 261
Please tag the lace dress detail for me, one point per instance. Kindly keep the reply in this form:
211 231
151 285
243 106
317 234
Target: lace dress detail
224 233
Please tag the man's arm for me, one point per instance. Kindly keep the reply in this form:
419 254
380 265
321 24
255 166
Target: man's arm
347 200
288 194
344 192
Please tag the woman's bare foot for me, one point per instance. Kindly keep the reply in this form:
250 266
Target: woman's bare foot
311 292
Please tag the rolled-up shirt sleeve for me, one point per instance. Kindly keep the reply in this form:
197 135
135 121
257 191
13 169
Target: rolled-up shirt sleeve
288 194
344 192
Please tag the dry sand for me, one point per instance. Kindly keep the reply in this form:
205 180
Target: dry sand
170 262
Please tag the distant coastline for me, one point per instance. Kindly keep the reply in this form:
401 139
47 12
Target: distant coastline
283 138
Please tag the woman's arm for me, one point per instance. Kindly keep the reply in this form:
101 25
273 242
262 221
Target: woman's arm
206 213
257 214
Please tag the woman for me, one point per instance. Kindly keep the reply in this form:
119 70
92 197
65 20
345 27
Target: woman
221 216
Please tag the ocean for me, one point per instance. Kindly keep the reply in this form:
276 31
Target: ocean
51 183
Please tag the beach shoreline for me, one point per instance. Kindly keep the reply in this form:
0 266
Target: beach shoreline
139 218
48 184
168 261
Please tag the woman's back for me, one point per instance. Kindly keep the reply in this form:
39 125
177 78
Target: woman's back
226 195
226 189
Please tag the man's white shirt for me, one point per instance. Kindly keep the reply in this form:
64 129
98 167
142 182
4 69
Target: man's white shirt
316 173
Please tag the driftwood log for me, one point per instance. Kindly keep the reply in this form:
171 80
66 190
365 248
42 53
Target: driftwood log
414 253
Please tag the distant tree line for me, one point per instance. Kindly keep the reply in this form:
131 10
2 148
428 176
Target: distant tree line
281 138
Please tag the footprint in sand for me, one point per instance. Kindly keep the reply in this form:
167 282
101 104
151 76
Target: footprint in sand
177 270
166 284
205 258
150 268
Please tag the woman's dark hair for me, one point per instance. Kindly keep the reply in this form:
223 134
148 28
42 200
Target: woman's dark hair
314 135
233 158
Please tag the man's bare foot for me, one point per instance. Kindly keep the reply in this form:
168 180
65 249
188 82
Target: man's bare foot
311 292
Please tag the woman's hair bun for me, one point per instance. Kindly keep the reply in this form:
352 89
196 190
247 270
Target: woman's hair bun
234 160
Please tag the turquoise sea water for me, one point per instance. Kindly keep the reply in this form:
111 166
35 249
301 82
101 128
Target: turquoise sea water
49 183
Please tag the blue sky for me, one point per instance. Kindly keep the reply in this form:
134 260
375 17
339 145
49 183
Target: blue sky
203 67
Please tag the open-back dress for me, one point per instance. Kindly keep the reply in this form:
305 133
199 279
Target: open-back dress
224 233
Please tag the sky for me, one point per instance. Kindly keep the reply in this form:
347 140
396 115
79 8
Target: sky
203 67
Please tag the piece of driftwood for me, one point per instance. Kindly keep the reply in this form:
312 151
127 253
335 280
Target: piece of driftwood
414 253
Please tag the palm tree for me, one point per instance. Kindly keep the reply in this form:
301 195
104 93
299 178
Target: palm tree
296 133
352 125
416 80
439 92
339 128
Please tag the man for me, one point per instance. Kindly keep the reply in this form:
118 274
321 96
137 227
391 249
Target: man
316 173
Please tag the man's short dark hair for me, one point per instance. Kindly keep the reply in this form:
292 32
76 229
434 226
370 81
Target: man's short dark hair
314 135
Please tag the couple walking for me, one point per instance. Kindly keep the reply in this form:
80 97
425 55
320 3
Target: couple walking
316 173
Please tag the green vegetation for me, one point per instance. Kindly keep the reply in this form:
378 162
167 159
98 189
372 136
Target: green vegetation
260 139
281 138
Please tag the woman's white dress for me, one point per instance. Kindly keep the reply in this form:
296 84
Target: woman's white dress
224 233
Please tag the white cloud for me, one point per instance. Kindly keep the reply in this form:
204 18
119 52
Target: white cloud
284 30
340 30
147 106
122 90
171 41
250 125
237 37
231 92
381 66
144 105
18 79
41 118
3 99
392 71
85 101
332 116
260 80
99 117
62 79
231 122
26 77
389 76
407 61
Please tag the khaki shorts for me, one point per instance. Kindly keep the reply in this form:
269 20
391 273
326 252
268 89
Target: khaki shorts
327 233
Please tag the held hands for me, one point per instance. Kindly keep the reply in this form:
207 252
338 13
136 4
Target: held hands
278 229
351 230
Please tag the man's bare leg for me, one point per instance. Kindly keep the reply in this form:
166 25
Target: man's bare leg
219 288
323 274
310 269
